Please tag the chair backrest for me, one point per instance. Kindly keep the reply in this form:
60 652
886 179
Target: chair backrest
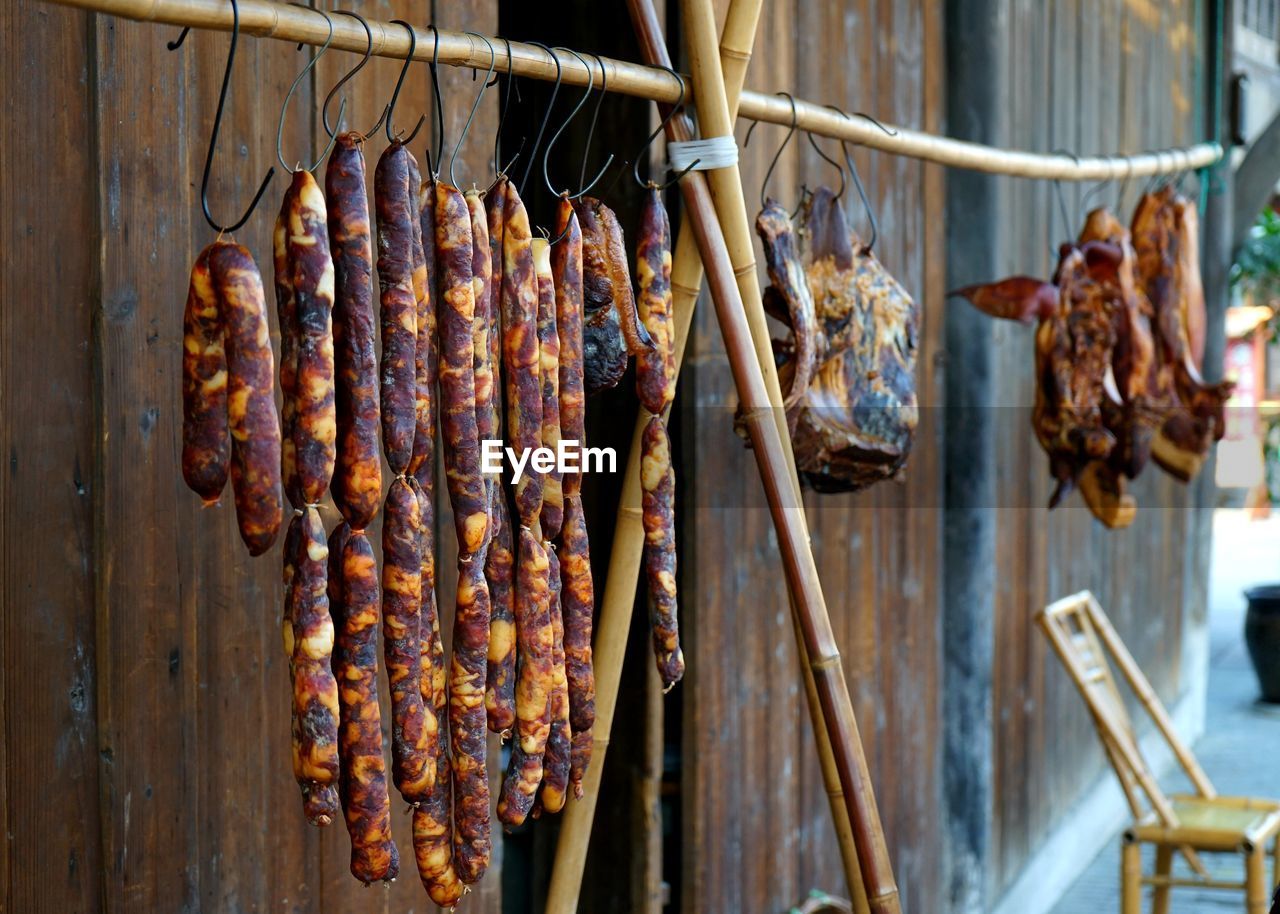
1082 636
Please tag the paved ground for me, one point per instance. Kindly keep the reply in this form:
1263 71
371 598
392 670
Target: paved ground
1241 744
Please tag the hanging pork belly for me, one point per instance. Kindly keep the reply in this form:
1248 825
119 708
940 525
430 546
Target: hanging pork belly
848 364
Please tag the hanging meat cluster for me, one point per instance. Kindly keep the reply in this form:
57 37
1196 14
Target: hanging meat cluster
487 333
847 365
1119 346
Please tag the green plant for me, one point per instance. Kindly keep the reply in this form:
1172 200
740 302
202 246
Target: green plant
1256 271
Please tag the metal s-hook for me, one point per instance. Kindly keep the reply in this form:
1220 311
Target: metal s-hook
857 180
546 118
284 108
675 109
498 168
795 119
389 111
830 161
546 153
436 154
591 132
1087 197
368 52
217 126
466 128
1062 198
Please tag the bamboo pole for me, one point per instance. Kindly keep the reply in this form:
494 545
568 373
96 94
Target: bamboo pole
614 620
768 445
285 22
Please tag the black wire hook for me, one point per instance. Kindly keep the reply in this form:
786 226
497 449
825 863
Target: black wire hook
498 168
466 128
1087 197
389 111
830 161
857 180
546 153
337 87
1062 198
546 118
436 155
675 109
284 108
795 119
591 131
217 125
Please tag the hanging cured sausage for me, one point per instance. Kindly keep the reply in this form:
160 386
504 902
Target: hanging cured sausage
206 440
357 479
655 385
315 692
577 598
251 407
354 602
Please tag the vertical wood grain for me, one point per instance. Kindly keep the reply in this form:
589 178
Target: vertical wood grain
49 793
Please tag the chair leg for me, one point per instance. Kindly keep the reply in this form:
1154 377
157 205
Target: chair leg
1275 863
1131 877
1164 867
1257 895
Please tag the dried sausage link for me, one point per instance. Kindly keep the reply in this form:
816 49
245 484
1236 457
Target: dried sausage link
413 766
552 514
566 272
315 429
657 480
555 763
533 687
395 216
577 601
500 672
427 359
365 800
580 760
656 367
287 316
495 212
357 479
624 302
467 733
434 854
315 692
482 284
520 352
457 378
484 365
430 648
432 820
293 546
426 299
251 405
206 441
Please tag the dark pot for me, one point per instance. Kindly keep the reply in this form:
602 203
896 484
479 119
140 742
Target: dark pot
1262 635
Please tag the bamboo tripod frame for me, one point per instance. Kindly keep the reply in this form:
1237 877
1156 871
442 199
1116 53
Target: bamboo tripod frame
716 221
273 19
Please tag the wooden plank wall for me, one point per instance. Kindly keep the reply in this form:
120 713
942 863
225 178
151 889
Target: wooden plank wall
1087 77
751 785
145 697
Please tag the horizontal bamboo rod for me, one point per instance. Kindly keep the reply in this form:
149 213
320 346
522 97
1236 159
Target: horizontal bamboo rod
269 19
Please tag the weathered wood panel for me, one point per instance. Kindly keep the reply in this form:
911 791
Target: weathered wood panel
49 753
1086 77
757 832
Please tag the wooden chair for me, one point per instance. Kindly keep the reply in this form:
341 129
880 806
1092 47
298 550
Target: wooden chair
1082 636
